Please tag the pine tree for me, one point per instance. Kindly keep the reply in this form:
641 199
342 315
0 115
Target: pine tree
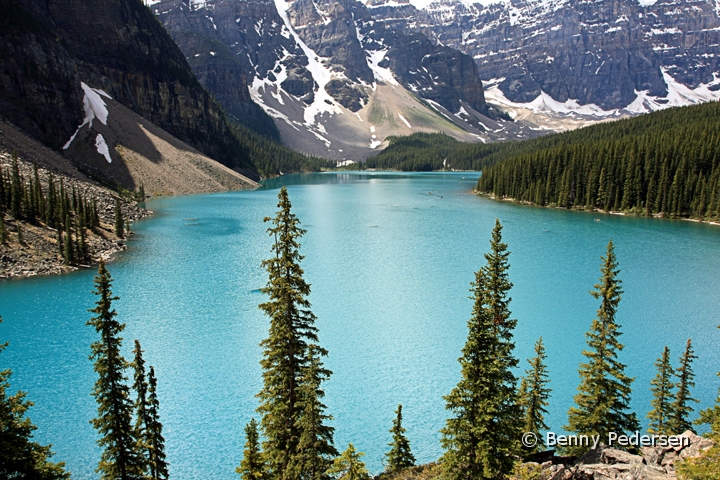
252 466
604 393
662 389
349 466
315 449
16 189
482 436
534 395
399 456
3 229
69 250
20 457
119 458
119 221
142 418
155 440
678 422
285 350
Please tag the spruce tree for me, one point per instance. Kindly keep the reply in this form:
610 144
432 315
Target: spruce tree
252 466
285 350
142 418
534 395
399 456
603 400
482 436
349 466
155 440
662 390
16 189
315 449
20 456
119 221
678 422
119 458
3 229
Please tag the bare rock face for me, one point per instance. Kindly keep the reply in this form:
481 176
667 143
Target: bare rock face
341 34
600 52
48 48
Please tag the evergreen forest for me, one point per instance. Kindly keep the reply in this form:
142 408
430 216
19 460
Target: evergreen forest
665 164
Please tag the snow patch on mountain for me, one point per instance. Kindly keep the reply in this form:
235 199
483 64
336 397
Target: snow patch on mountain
323 102
678 95
94 107
545 103
102 147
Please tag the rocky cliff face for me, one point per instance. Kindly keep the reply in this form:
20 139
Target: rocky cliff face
637 56
48 48
306 62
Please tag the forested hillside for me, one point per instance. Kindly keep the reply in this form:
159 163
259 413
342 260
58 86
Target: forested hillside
665 163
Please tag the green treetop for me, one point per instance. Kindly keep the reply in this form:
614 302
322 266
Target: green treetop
399 456
286 355
678 421
603 400
20 457
482 436
142 417
119 458
662 389
119 220
349 466
534 395
252 466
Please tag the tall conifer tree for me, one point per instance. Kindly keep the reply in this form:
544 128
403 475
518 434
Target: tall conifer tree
349 466
399 456
315 449
119 458
155 440
252 466
119 221
662 387
603 400
681 409
286 353
534 394
142 418
482 436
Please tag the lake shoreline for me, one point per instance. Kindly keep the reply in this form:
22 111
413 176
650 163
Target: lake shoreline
595 210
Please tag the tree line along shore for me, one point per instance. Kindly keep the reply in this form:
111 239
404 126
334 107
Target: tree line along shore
488 410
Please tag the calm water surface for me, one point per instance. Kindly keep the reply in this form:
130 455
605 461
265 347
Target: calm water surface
390 258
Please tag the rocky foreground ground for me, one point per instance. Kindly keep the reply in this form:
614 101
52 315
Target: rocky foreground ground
653 463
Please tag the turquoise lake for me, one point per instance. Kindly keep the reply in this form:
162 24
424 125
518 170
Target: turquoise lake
390 258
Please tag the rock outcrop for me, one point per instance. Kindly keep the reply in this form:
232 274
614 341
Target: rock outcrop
48 48
610 53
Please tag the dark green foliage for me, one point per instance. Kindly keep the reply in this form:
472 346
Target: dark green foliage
119 458
399 456
20 457
534 395
664 163
16 189
69 249
142 418
292 372
252 466
119 220
315 449
349 466
678 421
3 230
155 442
271 158
482 436
604 393
662 389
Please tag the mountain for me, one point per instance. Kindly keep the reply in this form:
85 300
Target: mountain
600 58
59 61
336 81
